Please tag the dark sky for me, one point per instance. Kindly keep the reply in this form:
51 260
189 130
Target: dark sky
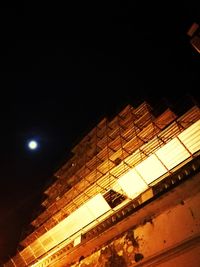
64 66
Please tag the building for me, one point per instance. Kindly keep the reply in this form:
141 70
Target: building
194 35
129 196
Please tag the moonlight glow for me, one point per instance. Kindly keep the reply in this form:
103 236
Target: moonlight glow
32 144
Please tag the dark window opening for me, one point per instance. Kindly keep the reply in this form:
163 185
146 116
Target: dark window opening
114 198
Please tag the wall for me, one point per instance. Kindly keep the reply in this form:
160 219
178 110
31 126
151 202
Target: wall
169 238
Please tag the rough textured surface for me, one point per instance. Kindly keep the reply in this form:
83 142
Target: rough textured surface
162 240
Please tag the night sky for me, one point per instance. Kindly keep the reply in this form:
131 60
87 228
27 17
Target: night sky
64 66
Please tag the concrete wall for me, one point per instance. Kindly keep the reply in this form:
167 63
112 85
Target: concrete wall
169 239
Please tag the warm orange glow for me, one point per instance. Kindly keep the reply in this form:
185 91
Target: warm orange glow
132 184
80 218
172 154
150 169
191 137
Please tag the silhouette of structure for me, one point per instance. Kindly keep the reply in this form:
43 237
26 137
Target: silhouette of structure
194 35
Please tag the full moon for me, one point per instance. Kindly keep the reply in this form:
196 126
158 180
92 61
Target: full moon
32 144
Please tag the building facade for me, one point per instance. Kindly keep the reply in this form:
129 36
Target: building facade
128 196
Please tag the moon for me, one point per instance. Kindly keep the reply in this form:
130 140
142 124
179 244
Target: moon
32 144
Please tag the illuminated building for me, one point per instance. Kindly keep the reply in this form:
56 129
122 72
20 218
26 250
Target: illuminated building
129 196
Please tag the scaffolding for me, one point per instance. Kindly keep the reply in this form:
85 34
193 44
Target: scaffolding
103 155
103 163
